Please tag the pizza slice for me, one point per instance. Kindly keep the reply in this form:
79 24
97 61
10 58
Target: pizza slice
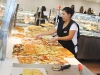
17 49
18 35
41 49
25 60
19 29
29 49
43 59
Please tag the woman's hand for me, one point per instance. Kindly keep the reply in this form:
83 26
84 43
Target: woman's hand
54 39
38 36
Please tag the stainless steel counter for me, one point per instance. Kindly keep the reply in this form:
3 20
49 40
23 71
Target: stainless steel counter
73 70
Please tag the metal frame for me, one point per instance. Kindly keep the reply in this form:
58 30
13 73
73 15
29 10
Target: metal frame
7 21
3 37
56 18
36 17
6 13
16 15
49 15
9 12
12 19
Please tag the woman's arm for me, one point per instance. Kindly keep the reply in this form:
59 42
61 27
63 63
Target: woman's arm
72 31
69 37
49 32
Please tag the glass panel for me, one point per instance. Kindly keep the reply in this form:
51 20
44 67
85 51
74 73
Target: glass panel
2 8
0 51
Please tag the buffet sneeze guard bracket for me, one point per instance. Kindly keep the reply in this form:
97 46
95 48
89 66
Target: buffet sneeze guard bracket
36 16
49 15
15 16
56 18
40 17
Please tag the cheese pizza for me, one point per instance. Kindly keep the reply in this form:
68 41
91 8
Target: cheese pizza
42 59
25 60
19 29
49 43
18 35
31 41
31 72
17 49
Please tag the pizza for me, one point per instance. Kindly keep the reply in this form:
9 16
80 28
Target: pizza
31 41
19 29
25 60
24 49
49 43
52 50
32 34
69 54
26 41
34 28
47 25
18 35
41 59
36 41
64 52
47 59
29 49
17 49
31 72
41 49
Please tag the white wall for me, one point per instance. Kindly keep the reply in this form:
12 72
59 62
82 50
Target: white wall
86 4
33 4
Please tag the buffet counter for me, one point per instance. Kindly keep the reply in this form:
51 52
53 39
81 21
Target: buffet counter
13 66
9 63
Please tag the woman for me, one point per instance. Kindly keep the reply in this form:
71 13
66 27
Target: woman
67 31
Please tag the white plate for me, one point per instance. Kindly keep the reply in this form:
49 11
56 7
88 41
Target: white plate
18 71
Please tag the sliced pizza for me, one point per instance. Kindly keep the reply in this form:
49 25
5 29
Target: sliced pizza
19 29
25 60
18 35
17 49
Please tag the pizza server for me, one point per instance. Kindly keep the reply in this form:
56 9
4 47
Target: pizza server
60 68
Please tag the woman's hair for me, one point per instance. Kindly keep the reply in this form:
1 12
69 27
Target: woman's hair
68 10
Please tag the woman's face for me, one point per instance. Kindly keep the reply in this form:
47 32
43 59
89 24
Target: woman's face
65 16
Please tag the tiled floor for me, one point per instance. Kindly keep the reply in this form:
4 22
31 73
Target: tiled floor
93 66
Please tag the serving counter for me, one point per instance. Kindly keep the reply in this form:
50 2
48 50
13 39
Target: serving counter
9 63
